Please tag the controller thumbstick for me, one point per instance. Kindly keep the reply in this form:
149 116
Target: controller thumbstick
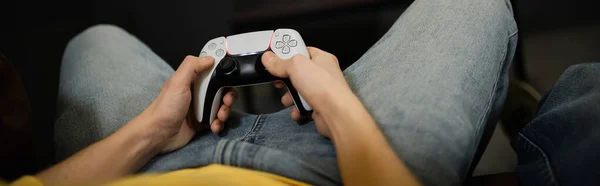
228 65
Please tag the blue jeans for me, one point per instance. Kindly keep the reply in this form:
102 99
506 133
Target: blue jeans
431 82
561 146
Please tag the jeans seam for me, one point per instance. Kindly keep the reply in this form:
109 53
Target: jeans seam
260 120
511 35
546 159
247 135
490 101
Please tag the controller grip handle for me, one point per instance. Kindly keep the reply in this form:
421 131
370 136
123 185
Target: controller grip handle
305 110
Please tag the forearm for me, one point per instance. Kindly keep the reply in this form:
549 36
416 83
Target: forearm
364 155
120 154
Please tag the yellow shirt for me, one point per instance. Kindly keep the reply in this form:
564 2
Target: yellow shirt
209 175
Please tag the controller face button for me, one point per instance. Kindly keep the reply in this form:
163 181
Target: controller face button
286 50
286 38
212 46
220 52
293 43
228 65
239 63
278 44
286 43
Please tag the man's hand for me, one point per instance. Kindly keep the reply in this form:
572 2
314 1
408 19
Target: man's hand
363 154
319 80
164 126
169 119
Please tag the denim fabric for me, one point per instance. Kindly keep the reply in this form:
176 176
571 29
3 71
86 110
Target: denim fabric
432 83
107 77
561 145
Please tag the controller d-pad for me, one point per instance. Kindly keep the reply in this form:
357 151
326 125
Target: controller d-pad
278 44
293 43
286 43
286 50
286 38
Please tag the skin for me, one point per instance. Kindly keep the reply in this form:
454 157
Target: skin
166 125
364 156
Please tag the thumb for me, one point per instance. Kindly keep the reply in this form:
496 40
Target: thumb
275 65
190 68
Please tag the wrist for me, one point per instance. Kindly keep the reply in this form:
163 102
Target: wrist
143 139
345 113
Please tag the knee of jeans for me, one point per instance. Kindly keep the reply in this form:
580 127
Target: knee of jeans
100 32
498 12
504 8
583 67
582 71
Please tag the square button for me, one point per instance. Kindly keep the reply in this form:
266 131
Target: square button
212 46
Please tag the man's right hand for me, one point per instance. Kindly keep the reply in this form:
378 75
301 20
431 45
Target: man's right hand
319 80
364 155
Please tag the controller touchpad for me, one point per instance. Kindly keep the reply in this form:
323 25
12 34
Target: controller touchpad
249 43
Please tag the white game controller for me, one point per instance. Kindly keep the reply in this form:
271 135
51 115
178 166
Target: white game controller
238 63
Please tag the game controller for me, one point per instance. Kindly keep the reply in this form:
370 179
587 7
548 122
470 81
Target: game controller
238 63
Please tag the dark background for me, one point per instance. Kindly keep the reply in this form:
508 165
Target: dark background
33 35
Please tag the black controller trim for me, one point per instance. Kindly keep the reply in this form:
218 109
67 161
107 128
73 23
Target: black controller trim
249 70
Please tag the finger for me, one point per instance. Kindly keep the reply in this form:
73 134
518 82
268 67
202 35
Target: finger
217 126
315 116
314 52
320 124
279 84
229 98
275 65
318 53
190 68
296 116
287 100
325 59
191 119
223 113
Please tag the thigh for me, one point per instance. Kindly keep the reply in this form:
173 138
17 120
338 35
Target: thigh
560 145
107 77
433 81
